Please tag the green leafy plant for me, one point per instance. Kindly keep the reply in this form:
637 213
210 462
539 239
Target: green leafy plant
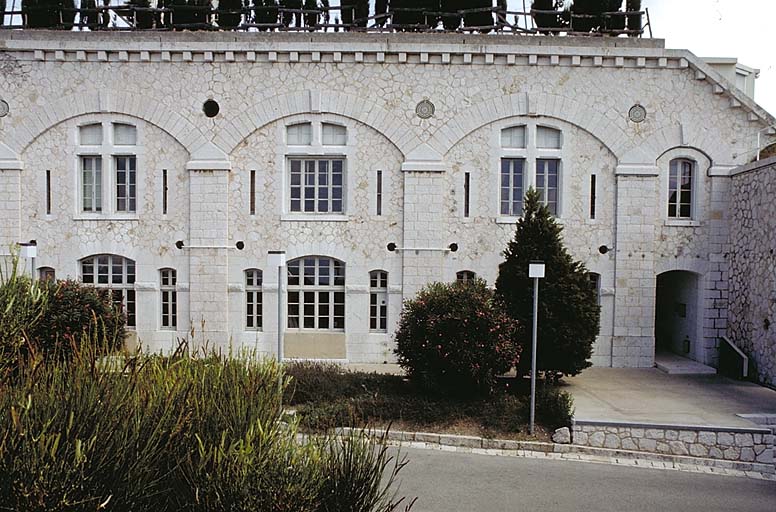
456 338
22 304
76 312
568 307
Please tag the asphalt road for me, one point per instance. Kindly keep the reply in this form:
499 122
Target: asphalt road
459 482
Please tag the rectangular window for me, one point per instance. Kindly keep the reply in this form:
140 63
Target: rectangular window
252 200
91 183
512 186
316 296
164 191
48 192
169 298
466 181
253 300
592 196
680 189
378 301
547 171
126 184
317 186
379 192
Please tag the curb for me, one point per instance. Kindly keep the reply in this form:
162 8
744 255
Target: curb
536 449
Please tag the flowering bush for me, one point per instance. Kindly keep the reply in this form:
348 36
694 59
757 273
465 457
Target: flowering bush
456 338
75 312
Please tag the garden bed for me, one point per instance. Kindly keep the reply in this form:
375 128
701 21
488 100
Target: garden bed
326 396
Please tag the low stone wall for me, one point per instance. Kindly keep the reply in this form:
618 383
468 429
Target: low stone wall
733 444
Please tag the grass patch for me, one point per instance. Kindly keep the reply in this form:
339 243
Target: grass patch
327 396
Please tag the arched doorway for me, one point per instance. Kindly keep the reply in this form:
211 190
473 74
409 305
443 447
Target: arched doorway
676 314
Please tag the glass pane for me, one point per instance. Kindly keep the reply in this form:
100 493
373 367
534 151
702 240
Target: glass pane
300 134
124 134
513 137
334 135
548 138
90 135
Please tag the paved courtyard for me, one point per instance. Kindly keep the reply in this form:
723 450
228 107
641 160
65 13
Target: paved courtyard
651 396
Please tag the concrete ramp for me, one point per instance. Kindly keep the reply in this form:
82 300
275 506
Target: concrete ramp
673 364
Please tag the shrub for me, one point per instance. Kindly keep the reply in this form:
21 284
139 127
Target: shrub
325 382
456 338
568 305
173 434
554 408
74 312
22 303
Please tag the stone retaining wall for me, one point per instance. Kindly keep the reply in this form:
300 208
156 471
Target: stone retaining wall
733 444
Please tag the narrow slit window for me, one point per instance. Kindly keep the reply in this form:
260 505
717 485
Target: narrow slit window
252 199
378 301
379 192
592 196
48 192
466 182
253 300
680 191
164 191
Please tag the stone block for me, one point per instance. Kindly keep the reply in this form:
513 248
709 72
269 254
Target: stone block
744 440
766 456
663 447
732 453
678 447
611 441
637 432
647 445
715 453
425 437
698 450
747 455
562 436
655 433
710 438
629 444
581 438
688 436
500 444
596 439
672 435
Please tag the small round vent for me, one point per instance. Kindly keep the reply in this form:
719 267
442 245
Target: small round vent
4 109
637 113
425 109
211 108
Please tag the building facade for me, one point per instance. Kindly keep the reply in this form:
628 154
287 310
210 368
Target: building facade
168 165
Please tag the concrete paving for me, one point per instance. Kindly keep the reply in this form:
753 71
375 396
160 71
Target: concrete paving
651 396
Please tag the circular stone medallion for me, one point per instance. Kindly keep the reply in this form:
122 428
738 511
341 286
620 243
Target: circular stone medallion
637 113
3 108
425 109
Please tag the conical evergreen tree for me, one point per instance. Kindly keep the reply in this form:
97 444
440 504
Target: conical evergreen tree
568 305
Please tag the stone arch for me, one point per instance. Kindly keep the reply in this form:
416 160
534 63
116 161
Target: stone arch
42 118
231 132
603 126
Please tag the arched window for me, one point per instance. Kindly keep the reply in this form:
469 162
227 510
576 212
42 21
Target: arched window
46 274
680 188
316 294
378 301
115 273
253 299
464 276
168 278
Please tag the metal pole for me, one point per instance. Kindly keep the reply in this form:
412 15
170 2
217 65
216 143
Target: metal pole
280 314
533 351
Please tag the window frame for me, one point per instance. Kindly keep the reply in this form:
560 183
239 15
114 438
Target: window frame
693 166
254 300
168 295
531 155
108 152
309 294
465 276
378 311
127 286
318 152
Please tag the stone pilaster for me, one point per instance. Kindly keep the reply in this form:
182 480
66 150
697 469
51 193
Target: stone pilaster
10 208
633 343
209 257
424 246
